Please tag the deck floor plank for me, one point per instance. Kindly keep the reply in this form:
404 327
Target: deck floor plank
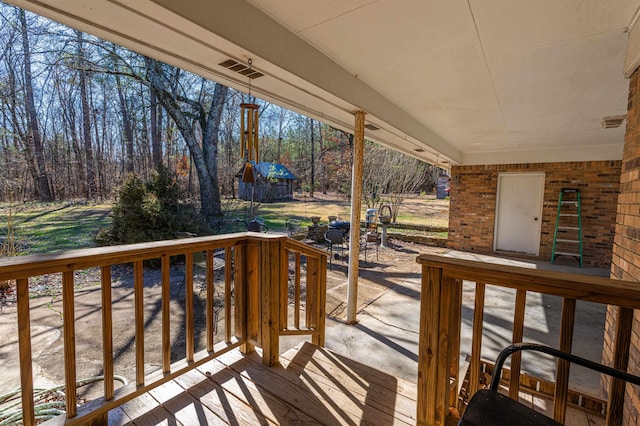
145 411
369 386
186 409
318 400
313 386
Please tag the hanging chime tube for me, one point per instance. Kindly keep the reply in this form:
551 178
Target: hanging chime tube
242 136
250 133
255 132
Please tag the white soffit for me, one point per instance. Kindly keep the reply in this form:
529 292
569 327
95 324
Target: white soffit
478 81
499 79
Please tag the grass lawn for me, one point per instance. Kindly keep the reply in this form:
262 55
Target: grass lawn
51 227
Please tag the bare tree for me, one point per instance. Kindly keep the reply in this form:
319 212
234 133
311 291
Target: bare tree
44 190
204 152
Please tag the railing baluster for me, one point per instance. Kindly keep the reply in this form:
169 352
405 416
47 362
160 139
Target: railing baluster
227 293
562 375
68 325
210 314
284 289
107 331
476 342
443 359
621 344
312 292
24 347
296 293
166 308
138 284
518 334
454 342
188 305
322 300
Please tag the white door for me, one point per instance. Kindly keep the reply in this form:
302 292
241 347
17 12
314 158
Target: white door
519 212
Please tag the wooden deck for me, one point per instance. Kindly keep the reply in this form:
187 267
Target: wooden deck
314 386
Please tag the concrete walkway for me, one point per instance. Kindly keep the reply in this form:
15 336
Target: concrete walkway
386 336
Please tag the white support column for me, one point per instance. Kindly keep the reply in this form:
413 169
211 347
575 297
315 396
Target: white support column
356 204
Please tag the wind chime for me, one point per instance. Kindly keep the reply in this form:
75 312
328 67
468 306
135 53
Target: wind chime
249 146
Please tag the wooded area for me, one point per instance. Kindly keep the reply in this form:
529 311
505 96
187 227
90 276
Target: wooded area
77 114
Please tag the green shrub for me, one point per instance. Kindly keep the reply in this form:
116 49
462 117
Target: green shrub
150 211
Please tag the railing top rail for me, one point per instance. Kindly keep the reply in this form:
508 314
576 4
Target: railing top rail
71 260
577 286
303 248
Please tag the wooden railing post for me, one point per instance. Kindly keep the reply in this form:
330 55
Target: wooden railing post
241 295
270 301
435 348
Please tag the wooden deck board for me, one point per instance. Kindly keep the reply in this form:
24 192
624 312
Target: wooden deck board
312 387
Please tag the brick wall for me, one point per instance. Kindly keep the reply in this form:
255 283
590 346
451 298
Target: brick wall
625 263
473 205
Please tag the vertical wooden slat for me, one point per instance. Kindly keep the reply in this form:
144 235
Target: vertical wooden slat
476 342
518 334
254 292
107 331
270 300
622 341
188 306
284 289
227 293
443 359
69 332
454 342
311 294
428 345
209 307
240 289
322 300
24 348
166 307
562 375
296 293
138 284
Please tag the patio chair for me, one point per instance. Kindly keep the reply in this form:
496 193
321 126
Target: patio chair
335 238
369 235
488 407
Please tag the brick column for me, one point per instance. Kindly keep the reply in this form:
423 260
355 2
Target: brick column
625 262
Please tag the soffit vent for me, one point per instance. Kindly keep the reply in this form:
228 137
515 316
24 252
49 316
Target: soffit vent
612 121
419 150
241 69
371 127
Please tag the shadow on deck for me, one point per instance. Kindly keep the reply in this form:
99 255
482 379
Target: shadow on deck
312 386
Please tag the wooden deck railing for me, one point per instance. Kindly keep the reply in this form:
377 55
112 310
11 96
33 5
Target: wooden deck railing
440 321
255 306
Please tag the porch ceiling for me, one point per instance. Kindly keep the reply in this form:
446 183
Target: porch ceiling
466 81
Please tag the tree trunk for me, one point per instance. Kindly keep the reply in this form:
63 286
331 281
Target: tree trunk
86 121
204 158
44 190
313 160
156 144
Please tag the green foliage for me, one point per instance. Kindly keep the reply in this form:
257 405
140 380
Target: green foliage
150 211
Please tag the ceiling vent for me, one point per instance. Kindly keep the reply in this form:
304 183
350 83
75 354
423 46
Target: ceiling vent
241 69
419 150
371 127
612 121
